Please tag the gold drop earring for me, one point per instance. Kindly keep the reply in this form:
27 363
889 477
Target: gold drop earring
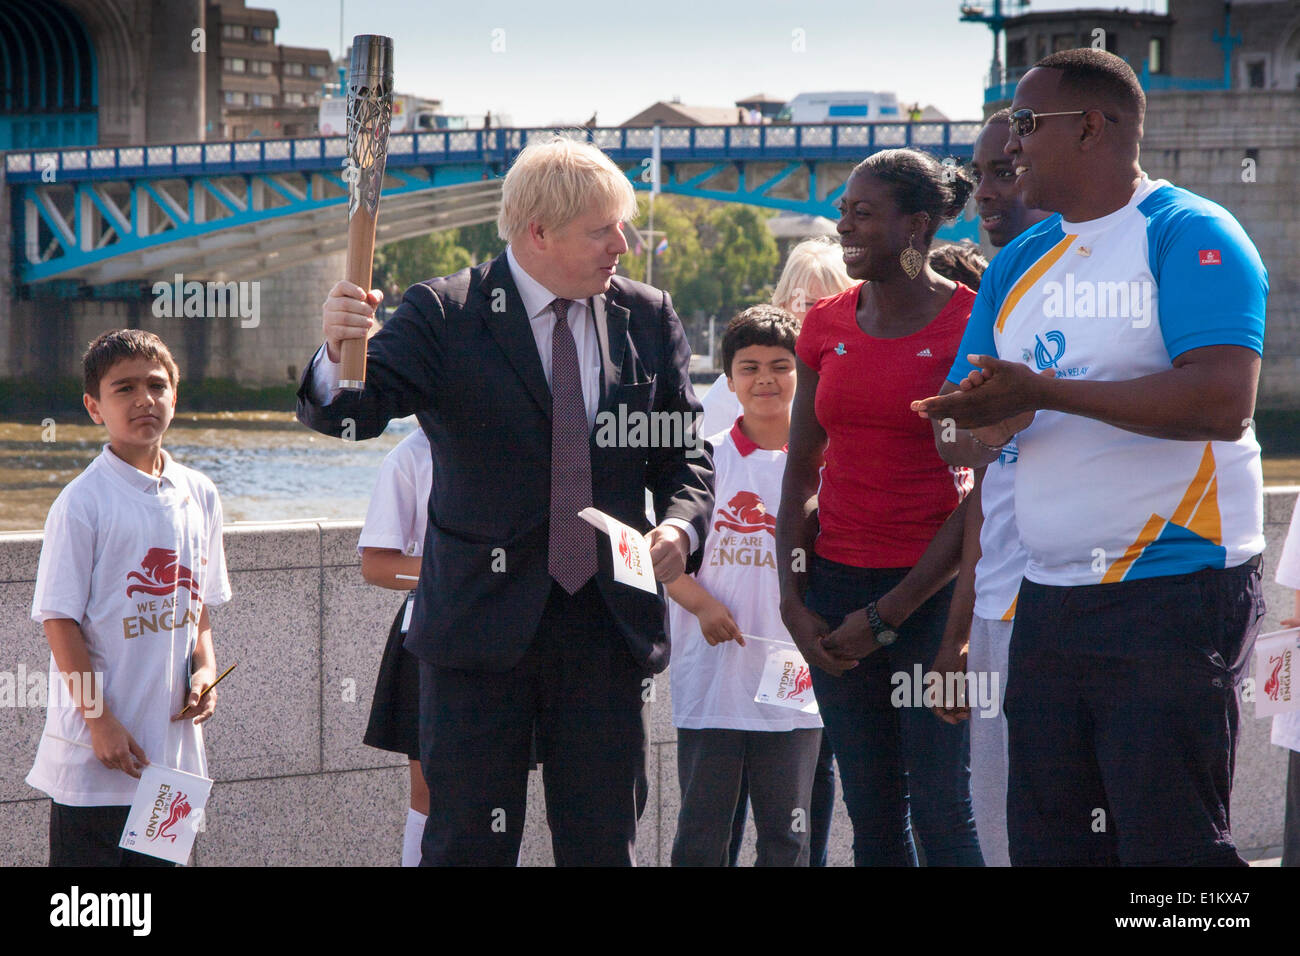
911 260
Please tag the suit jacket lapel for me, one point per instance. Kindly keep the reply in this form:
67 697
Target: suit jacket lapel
512 331
611 325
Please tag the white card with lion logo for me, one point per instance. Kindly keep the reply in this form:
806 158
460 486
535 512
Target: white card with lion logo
629 548
786 680
166 813
1276 657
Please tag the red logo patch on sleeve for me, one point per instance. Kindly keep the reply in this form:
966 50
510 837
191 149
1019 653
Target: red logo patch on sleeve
1211 257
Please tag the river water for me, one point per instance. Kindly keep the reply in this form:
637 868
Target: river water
266 466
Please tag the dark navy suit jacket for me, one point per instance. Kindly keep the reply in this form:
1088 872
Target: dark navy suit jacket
473 378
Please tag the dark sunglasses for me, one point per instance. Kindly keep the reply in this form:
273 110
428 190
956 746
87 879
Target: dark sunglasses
1024 122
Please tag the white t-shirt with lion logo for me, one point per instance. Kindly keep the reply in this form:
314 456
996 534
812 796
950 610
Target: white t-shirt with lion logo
133 560
713 688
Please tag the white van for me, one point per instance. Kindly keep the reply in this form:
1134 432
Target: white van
850 107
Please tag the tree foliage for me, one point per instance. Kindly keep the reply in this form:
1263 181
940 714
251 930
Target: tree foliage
721 257
481 240
678 267
403 263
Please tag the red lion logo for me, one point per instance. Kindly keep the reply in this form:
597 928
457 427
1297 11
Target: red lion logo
802 682
180 809
746 513
1271 686
624 548
165 574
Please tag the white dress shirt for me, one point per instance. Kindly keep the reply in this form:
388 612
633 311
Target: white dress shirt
537 301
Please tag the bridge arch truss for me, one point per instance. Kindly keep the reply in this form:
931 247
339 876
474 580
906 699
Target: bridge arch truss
108 216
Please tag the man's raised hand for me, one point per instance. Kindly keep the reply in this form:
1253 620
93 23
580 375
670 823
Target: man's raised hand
348 313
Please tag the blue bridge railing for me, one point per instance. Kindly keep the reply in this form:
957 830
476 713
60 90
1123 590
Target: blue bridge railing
830 141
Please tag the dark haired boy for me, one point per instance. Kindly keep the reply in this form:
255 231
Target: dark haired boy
131 561
723 734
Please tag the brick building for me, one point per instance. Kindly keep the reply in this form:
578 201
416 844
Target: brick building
263 89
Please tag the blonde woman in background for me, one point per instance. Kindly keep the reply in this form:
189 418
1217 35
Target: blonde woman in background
813 270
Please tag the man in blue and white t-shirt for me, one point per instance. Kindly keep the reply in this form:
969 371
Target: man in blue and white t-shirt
1138 491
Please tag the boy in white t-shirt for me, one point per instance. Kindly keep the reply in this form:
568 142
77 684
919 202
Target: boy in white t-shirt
1286 727
716 615
132 560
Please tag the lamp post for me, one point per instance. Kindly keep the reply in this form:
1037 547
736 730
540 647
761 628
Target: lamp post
655 147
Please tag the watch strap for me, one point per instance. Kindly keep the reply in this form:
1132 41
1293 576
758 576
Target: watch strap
873 618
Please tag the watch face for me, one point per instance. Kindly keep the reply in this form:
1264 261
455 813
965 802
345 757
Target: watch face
886 637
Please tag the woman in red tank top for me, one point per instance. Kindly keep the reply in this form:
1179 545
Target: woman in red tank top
879 572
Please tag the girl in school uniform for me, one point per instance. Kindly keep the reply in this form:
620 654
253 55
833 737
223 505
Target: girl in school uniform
391 543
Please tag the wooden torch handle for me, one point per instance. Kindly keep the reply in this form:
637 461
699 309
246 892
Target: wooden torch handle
360 264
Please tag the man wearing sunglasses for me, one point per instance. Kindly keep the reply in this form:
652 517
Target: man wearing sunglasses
1120 346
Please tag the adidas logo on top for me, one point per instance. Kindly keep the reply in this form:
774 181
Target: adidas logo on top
924 353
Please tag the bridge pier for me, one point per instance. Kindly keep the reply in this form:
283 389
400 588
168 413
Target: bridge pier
42 339
8 327
290 329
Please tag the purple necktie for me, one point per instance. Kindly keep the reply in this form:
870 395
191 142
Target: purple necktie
572 546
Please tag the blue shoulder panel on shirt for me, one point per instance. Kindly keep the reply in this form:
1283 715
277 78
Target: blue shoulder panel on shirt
1212 283
1015 259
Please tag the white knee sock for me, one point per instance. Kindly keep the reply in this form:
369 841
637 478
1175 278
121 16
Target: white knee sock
414 834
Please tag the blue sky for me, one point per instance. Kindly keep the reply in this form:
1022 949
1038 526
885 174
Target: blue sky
562 60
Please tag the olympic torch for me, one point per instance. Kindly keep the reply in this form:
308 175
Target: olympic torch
370 108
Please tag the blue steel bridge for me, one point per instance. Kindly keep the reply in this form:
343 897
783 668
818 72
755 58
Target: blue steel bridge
103 220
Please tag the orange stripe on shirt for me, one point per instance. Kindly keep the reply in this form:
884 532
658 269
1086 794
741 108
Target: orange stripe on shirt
1150 531
1032 275
1198 512
1204 472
